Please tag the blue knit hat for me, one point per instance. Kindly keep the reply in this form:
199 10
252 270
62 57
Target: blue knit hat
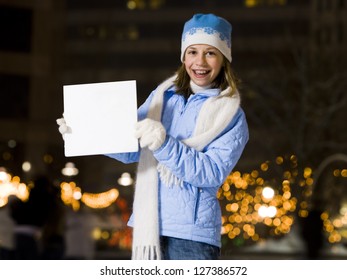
207 29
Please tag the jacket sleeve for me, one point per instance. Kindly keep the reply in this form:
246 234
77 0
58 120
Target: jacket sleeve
210 167
134 157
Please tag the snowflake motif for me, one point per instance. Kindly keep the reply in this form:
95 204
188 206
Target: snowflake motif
207 30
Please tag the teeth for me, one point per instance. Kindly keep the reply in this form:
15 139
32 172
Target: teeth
200 72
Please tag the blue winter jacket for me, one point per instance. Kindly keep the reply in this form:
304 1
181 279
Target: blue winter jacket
192 212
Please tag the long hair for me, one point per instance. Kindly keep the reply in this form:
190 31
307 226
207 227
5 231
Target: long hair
226 78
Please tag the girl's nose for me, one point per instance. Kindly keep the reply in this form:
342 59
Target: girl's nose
200 59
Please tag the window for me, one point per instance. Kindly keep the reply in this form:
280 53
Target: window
14 96
15 29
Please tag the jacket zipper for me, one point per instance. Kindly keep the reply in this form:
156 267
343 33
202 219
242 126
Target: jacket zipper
196 207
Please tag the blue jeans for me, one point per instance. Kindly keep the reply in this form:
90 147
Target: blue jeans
181 249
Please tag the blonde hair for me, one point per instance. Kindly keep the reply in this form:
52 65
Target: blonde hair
226 78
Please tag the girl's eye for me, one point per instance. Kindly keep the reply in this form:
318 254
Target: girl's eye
191 52
210 53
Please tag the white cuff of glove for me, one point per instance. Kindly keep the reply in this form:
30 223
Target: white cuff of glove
150 133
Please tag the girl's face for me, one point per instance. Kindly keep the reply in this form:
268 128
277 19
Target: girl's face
203 64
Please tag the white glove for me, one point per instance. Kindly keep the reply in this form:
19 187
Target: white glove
63 128
150 133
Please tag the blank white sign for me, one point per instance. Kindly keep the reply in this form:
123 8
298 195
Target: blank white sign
102 117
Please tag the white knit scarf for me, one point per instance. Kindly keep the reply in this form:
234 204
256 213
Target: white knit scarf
215 114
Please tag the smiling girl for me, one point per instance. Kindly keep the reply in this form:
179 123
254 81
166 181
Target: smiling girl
192 132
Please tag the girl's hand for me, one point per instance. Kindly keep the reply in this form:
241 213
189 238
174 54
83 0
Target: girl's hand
150 133
63 128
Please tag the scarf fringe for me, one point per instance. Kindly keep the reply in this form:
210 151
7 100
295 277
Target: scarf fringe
146 253
145 210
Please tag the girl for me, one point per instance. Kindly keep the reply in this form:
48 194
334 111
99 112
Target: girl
192 132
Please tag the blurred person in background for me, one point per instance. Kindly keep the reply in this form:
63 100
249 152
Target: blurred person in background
6 232
30 218
80 244
53 232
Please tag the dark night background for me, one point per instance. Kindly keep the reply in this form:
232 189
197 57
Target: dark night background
290 56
